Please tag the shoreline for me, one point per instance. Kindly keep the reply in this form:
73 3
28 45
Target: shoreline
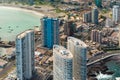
40 11
24 9
43 10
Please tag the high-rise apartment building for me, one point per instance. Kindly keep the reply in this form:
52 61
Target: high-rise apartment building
79 49
62 63
116 13
50 31
119 36
98 3
95 14
69 28
25 55
87 17
109 22
96 36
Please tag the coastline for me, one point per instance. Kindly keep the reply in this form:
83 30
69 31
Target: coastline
39 11
43 10
23 9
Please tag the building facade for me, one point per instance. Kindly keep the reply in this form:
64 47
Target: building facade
116 13
119 36
25 55
95 14
98 3
109 22
96 36
87 17
79 49
69 28
62 63
50 31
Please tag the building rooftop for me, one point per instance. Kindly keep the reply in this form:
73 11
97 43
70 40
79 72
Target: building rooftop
21 35
116 6
2 62
77 42
49 18
42 50
63 52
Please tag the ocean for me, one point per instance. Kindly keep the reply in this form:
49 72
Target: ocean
14 21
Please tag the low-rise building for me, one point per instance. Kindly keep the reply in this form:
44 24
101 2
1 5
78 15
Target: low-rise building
3 63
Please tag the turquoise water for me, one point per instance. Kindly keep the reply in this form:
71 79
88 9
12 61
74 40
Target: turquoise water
13 22
112 66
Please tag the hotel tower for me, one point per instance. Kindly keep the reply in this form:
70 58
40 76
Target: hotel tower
79 49
25 55
50 32
62 63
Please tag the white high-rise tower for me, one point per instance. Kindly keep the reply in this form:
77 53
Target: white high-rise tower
79 49
62 63
116 13
25 55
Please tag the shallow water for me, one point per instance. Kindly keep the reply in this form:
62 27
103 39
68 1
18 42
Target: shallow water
13 22
114 66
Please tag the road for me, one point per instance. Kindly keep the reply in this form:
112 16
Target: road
9 67
100 57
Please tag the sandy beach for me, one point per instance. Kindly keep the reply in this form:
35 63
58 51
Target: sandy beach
42 10
22 9
23 19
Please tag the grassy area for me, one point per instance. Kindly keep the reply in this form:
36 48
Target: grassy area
59 11
111 49
42 2
104 11
110 15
